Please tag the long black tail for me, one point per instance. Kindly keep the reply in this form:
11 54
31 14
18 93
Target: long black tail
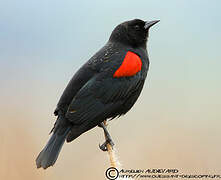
48 156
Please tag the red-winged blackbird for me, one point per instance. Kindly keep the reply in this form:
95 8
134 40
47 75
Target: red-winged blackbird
105 87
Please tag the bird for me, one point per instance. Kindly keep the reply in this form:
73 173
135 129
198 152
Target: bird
105 87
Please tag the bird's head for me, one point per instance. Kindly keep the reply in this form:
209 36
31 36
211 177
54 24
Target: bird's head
133 33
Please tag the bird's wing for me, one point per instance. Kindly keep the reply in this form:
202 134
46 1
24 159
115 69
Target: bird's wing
117 78
100 97
103 60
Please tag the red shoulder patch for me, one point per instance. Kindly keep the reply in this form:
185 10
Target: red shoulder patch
130 66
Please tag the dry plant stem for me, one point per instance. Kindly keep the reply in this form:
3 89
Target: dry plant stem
110 151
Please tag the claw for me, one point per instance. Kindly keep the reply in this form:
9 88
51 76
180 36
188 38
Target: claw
103 147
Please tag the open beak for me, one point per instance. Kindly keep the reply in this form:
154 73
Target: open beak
148 24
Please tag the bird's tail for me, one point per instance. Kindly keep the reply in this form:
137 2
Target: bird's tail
48 156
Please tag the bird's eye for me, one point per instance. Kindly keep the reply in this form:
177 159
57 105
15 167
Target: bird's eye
136 27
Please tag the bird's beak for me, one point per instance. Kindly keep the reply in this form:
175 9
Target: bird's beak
148 24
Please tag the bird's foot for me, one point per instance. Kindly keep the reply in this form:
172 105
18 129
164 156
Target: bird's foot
108 138
109 141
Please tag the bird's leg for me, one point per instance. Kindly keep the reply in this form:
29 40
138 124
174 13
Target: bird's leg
108 138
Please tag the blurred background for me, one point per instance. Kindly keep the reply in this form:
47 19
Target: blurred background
176 121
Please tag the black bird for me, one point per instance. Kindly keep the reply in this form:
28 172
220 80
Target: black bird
105 87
